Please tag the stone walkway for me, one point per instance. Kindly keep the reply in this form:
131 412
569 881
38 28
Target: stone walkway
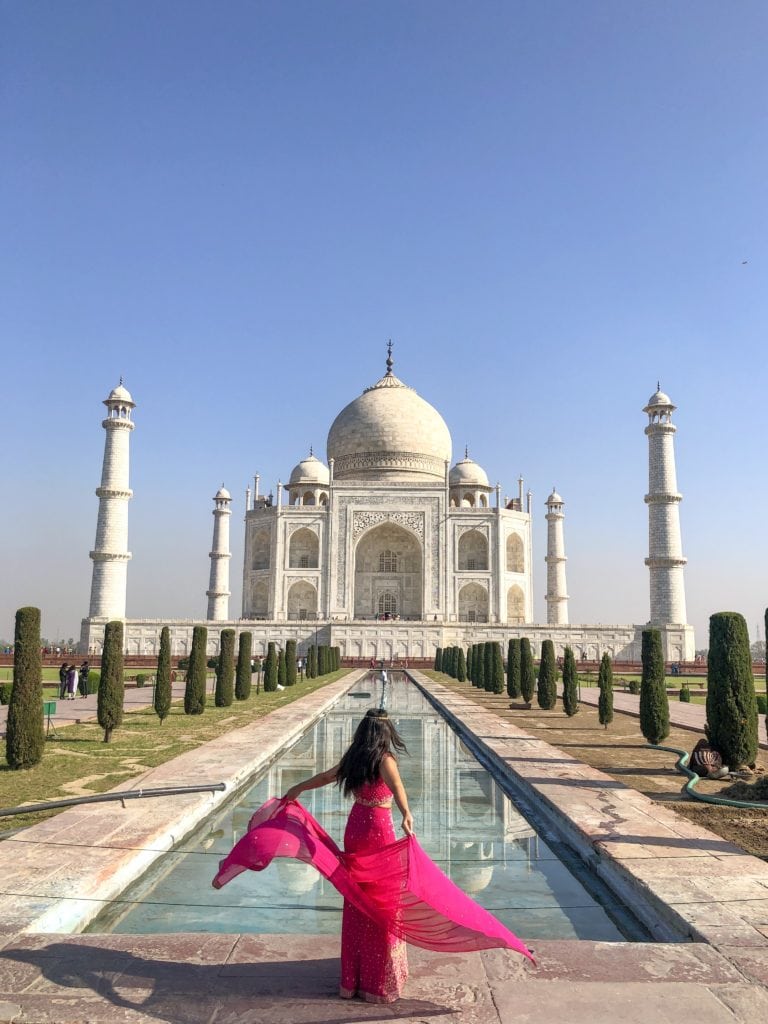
685 878
684 716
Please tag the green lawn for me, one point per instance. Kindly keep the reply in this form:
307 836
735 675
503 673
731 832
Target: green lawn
79 762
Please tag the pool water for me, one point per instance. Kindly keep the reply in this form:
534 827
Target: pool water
463 819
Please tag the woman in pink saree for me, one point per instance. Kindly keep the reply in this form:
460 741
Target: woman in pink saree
393 893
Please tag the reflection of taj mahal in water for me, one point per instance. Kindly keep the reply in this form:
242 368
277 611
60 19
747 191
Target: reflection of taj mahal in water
389 550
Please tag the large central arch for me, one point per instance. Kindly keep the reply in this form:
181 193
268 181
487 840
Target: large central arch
389 573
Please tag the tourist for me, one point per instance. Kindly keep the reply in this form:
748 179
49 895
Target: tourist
63 673
83 678
386 903
72 682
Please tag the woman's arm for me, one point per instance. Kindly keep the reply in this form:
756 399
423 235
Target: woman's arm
391 775
321 779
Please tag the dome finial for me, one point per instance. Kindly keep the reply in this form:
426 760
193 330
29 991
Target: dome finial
121 380
466 451
389 358
658 385
311 450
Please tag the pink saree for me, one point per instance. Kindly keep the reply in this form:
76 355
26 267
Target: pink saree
395 886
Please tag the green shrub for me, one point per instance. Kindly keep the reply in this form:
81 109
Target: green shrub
546 691
605 684
5 693
654 704
685 694
488 666
163 689
141 679
194 692
497 681
312 662
762 704
94 678
570 684
212 663
225 670
290 663
513 669
244 669
25 735
270 670
281 668
480 666
731 707
183 664
461 671
439 660
633 686
112 687
527 672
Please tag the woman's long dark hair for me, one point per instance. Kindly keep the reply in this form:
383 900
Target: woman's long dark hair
374 737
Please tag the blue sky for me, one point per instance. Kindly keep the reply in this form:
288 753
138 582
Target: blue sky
546 205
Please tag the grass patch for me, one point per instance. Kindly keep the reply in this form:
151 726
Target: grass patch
80 763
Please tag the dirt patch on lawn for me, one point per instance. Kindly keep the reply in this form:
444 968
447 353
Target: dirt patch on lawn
622 752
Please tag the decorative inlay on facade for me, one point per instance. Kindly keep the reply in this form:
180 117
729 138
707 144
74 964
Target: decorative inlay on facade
410 520
408 461
312 527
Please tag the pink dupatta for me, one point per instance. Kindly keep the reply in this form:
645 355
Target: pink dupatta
398 886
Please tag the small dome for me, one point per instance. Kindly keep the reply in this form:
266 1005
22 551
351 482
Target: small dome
310 471
467 473
120 394
223 493
554 498
659 398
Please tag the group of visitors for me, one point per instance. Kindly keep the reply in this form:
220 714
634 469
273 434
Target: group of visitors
73 680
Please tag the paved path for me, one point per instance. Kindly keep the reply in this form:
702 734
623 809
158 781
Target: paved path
682 715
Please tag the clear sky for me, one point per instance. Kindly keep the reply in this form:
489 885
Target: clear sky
547 205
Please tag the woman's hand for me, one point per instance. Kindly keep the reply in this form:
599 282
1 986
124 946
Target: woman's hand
408 824
293 793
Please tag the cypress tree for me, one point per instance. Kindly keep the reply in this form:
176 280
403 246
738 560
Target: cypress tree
25 735
243 675
461 672
439 660
281 674
194 692
527 674
312 662
454 662
488 666
270 669
513 669
290 663
470 651
109 708
654 706
498 668
546 691
480 666
605 682
731 704
225 670
570 684
163 690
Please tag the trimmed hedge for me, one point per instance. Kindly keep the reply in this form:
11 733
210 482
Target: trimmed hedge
513 669
194 692
225 670
25 734
243 673
270 669
112 687
654 703
731 706
570 684
605 684
527 671
162 701
546 691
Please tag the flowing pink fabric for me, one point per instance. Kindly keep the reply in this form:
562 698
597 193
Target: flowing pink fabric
397 886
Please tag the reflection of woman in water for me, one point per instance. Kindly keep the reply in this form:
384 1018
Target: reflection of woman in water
393 893
373 961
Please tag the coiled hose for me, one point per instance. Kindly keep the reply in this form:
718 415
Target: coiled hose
689 789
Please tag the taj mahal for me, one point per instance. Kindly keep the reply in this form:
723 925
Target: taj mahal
389 549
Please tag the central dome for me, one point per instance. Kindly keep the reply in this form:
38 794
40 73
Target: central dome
389 432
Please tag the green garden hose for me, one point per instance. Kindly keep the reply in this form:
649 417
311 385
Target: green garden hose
693 780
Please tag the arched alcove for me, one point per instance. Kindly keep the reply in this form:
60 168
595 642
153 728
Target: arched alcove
260 599
515 605
473 603
515 553
260 550
304 551
302 600
473 551
388 559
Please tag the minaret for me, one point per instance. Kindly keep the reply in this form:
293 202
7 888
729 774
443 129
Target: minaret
110 554
665 555
218 588
557 592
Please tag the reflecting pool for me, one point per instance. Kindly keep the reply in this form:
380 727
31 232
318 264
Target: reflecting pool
463 820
